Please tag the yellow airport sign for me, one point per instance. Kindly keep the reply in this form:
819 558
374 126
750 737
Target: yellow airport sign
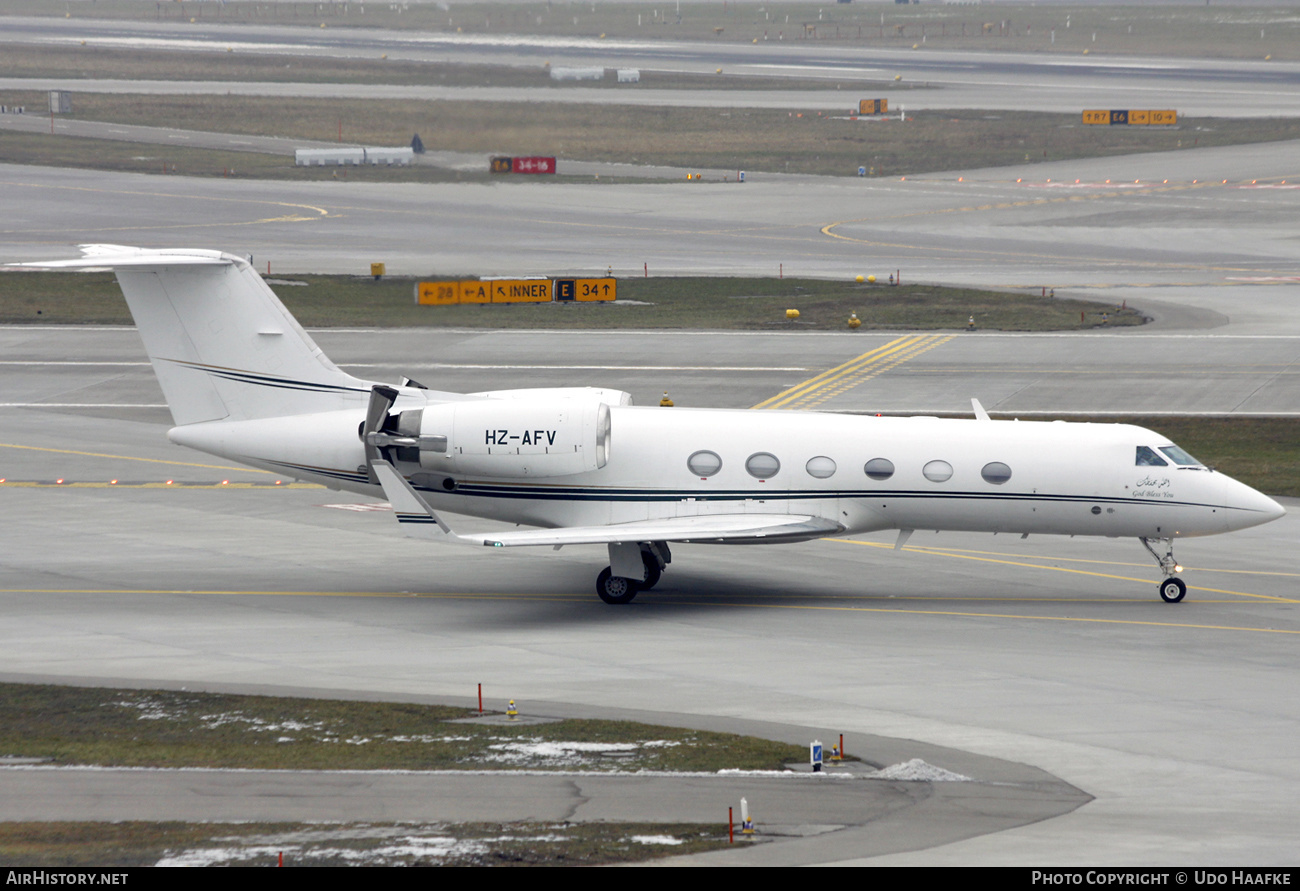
1137 117
873 106
595 289
516 290
476 292
530 290
437 293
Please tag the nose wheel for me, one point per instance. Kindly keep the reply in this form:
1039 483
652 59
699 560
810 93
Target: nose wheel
1172 589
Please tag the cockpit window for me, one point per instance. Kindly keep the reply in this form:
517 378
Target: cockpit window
1178 456
1147 458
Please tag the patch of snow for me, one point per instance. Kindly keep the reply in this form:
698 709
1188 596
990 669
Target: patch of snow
917 770
428 848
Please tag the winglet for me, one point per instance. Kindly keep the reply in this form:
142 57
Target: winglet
980 413
413 512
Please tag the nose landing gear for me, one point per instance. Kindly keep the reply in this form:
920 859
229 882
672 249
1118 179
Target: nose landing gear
1172 589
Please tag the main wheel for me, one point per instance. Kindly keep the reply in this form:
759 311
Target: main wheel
1172 590
652 571
615 589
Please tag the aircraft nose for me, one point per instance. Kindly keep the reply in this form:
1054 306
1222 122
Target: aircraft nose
1250 507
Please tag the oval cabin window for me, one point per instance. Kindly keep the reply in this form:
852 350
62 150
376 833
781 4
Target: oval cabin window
879 468
821 467
704 463
937 471
996 472
763 466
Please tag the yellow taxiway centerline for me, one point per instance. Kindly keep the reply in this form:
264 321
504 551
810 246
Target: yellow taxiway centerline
10 445
700 601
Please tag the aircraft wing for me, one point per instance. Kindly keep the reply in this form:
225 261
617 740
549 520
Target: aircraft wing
419 521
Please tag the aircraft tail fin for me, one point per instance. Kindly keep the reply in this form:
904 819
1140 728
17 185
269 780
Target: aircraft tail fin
222 344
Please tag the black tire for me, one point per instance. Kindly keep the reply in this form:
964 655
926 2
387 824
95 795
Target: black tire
652 571
1172 590
614 589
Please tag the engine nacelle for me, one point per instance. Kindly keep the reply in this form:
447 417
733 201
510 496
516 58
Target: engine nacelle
512 437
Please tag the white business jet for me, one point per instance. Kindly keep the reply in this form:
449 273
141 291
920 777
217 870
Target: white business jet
245 382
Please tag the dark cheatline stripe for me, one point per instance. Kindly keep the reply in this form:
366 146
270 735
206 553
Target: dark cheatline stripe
265 380
588 494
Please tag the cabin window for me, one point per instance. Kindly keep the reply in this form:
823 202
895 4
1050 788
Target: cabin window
996 472
1178 456
1147 458
879 468
704 463
821 467
937 471
763 465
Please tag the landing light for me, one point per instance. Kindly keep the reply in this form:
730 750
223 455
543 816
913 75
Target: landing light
1177 568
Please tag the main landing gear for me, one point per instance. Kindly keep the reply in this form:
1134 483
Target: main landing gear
640 566
1172 589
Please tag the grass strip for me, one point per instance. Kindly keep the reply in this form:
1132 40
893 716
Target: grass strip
659 302
160 728
749 139
136 843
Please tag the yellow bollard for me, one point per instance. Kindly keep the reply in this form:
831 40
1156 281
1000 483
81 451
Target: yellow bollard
665 402
871 279
854 321
792 314
859 279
